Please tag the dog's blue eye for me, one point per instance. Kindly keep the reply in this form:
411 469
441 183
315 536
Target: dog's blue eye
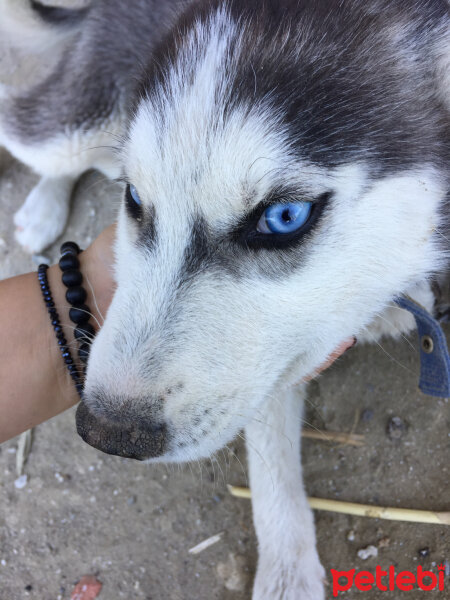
134 194
133 202
285 217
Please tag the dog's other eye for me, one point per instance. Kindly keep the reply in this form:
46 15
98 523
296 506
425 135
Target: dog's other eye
284 217
134 205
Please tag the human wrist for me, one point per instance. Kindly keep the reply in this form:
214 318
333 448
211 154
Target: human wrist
91 287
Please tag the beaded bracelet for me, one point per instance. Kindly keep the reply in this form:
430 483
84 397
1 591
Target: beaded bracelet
76 295
56 324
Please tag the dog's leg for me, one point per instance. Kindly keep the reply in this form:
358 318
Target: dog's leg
289 567
43 216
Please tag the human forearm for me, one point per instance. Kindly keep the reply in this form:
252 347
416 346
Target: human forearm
34 382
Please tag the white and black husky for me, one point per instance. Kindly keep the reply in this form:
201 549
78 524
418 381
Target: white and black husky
286 169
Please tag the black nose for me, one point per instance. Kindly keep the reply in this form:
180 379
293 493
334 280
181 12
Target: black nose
138 440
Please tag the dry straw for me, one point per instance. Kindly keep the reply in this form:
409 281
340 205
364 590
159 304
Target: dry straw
365 510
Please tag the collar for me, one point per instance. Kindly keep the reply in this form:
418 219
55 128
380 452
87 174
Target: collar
434 355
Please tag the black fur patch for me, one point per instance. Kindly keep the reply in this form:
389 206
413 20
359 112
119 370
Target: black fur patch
56 15
347 78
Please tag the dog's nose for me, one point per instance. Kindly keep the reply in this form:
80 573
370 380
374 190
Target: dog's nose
140 440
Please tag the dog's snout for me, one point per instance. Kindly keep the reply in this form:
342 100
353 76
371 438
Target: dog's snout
137 439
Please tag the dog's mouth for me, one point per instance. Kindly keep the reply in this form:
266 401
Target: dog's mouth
139 440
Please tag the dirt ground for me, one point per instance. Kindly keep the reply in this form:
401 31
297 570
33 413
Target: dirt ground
132 525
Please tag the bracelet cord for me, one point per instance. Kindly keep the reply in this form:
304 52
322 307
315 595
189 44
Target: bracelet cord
57 328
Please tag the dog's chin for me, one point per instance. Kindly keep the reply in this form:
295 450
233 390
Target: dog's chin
192 451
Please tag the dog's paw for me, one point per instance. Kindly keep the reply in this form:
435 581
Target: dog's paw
42 218
285 578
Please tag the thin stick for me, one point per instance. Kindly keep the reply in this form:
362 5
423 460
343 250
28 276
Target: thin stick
351 439
365 510
206 543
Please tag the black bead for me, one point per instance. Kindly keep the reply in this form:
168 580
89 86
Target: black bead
84 331
70 248
79 314
76 295
54 319
83 352
69 261
72 277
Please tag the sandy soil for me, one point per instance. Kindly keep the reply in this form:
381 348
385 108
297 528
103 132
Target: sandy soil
131 525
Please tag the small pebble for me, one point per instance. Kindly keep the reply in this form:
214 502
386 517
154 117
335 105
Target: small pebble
21 482
396 428
367 415
88 588
384 542
351 536
424 552
368 552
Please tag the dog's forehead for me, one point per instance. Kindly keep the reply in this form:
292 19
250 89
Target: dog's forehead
220 169
186 158
191 142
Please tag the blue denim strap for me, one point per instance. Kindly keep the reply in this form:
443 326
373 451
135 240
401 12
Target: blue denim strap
434 356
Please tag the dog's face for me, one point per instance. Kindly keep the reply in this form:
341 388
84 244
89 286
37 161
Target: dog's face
247 250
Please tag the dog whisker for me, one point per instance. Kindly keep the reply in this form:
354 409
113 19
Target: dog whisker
375 341
95 299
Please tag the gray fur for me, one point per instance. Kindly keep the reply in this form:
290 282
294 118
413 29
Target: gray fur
96 74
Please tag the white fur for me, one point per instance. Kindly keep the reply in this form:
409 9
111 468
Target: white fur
289 567
25 29
43 216
60 161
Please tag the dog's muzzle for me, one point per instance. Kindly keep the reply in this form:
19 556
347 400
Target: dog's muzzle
138 440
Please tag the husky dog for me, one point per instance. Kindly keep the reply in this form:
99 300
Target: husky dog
286 177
